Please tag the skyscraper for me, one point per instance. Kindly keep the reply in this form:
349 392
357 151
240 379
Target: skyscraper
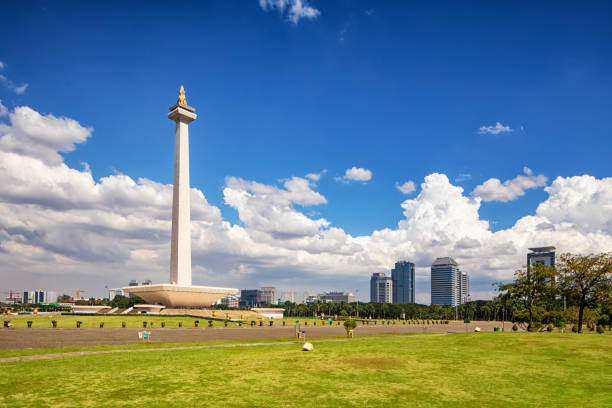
402 277
449 286
381 288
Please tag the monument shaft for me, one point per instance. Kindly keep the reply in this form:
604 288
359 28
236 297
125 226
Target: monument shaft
180 246
180 292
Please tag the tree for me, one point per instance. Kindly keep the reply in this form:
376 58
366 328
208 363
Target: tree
531 285
586 280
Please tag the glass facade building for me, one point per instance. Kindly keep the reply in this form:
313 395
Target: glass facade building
381 288
449 286
403 282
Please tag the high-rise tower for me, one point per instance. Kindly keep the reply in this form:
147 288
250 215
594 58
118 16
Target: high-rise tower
403 282
180 292
449 286
180 244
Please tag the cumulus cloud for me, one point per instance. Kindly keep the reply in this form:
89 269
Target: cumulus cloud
3 110
294 10
355 174
494 130
583 201
494 190
43 137
270 209
406 188
58 225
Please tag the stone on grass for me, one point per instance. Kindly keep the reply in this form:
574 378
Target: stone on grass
307 347
477 329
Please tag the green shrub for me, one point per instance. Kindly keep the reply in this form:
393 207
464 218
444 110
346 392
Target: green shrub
600 329
549 328
515 327
575 328
350 325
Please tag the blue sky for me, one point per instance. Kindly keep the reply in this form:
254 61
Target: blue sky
396 88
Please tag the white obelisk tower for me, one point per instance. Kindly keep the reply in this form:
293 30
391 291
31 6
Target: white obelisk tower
180 293
180 246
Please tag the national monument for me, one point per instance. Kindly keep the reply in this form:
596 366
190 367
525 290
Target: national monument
180 292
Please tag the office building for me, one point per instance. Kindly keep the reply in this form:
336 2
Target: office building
229 301
311 297
381 288
336 297
250 297
39 296
288 297
268 295
541 255
402 277
449 286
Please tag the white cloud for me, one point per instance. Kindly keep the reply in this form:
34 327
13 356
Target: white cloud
406 188
583 201
355 174
59 226
2 65
3 110
463 177
494 190
40 136
315 177
19 90
494 130
294 9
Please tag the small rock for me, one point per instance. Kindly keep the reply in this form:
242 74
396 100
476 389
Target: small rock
307 347
477 329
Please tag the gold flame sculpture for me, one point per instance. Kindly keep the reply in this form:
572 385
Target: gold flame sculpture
181 98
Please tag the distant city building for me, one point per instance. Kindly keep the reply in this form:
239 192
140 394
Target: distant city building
465 288
39 296
449 286
310 297
112 293
250 297
541 255
402 277
229 301
268 294
336 297
381 288
288 297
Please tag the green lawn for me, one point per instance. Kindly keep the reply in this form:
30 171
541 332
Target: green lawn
467 369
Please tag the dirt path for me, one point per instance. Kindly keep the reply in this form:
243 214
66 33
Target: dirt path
87 353
21 338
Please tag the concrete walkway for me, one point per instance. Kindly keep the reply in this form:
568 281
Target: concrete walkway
277 343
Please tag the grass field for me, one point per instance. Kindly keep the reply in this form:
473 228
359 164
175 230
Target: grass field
467 369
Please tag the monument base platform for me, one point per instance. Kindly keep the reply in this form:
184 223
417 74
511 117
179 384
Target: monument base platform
177 296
